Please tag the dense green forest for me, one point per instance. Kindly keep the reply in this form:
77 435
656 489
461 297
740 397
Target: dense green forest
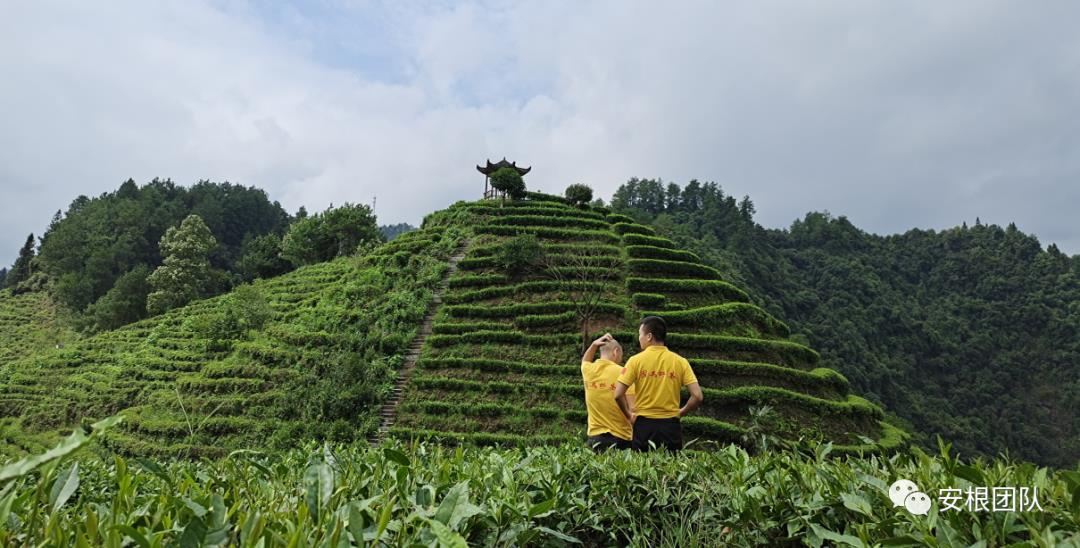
970 332
393 231
124 255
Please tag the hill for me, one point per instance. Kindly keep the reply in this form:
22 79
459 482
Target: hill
971 333
502 365
308 354
313 353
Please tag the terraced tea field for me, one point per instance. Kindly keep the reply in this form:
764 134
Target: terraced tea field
502 366
29 323
310 354
314 354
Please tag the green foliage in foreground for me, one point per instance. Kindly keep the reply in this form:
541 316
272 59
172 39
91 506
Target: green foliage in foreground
419 494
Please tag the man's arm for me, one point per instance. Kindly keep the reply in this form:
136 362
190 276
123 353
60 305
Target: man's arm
591 352
696 397
620 398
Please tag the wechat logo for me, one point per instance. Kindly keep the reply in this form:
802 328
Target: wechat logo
905 493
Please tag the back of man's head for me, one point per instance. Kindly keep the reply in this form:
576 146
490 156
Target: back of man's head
657 327
611 351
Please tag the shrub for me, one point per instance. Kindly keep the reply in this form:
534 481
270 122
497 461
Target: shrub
654 252
672 268
518 254
721 288
519 309
469 327
546 232
630 228
540 197
721 316
530 208
641 239
473 280
538 286
578 194
549 221
619 218
642 300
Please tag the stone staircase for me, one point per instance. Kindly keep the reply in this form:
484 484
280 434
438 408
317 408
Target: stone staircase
389 410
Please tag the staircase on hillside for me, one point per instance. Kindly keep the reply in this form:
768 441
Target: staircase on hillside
389 409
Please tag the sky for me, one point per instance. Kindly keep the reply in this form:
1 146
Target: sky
898 115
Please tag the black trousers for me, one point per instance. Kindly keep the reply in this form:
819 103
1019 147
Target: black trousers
663 433
606 441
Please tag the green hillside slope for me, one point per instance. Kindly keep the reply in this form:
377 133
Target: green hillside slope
314 353
29 324
309 354
502 364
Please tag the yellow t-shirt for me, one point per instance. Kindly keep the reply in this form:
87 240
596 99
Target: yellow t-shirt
658 374
604 413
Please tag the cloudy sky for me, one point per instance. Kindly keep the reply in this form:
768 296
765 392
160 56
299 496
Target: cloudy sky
896 114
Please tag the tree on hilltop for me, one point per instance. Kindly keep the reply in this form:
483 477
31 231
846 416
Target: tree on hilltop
579 194
509 182
22 268
185 270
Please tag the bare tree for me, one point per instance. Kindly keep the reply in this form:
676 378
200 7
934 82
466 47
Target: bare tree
583 276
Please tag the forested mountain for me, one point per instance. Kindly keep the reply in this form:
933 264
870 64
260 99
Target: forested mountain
393 231
970 332
116 258
98 240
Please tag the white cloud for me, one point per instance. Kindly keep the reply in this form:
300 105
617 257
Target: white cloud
898 115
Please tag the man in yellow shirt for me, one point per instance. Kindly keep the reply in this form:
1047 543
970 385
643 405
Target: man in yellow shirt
657 375
607 426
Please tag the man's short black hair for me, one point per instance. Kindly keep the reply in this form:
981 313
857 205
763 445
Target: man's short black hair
657 326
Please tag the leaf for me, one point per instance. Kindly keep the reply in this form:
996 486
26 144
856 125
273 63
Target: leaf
970 473
836 537
357 522
328 456
219 512
198 509
396 456
7 497
856 502
194 534
70 444
455 506
874 481
134 535
447 537
542 509
903 540
384 517
561 536
218 528
155 469
319 484
65 485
